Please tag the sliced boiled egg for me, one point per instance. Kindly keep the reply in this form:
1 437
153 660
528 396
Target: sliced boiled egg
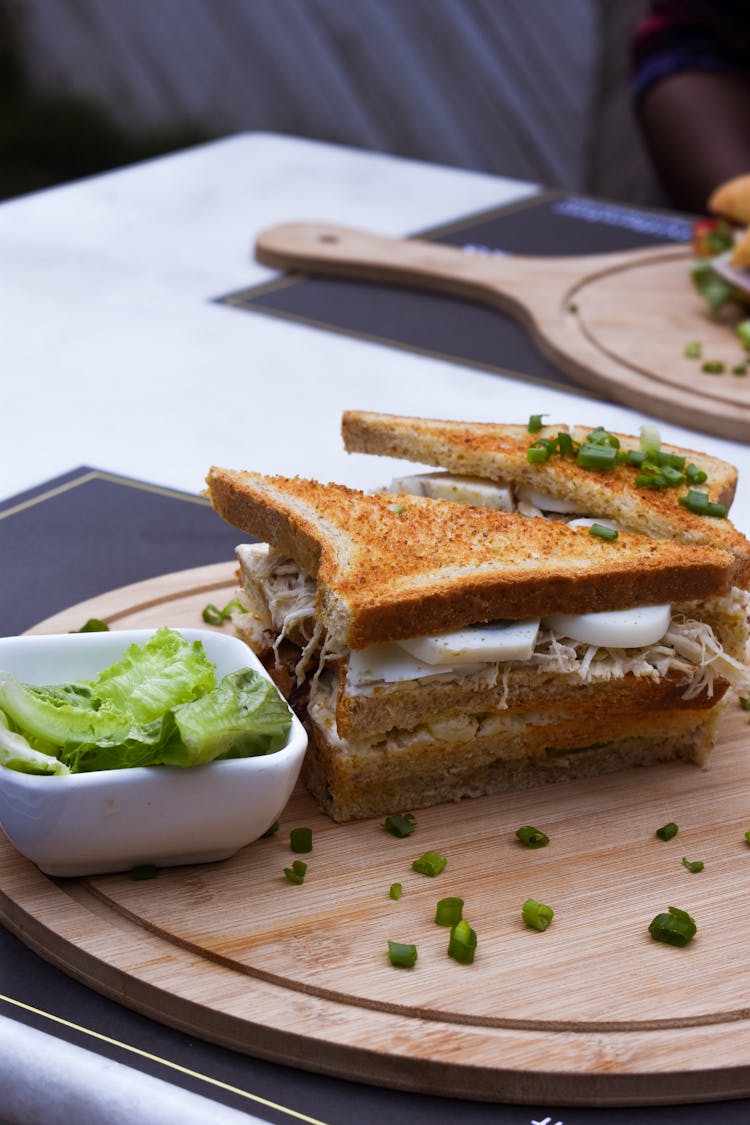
547 503
495 641
621 628
474 491
390 664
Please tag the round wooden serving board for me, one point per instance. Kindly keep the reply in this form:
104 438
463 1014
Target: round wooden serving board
591 1012
616 323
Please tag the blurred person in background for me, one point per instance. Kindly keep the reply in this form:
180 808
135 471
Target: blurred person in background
691 83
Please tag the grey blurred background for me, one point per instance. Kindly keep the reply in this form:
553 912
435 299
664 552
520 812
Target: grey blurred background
534 89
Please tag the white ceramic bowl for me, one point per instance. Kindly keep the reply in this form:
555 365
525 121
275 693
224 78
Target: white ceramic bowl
113 820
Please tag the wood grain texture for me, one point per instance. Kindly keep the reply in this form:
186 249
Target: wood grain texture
591 1012
616 323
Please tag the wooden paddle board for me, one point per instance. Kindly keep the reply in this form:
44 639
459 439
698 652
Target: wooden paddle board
590 1012
615 323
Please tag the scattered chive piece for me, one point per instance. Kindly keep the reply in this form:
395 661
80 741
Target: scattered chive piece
396 891
739 369
693 866
695 475
673 477
536 915
536 423
532 837
600 531
296 873
708 283
635 457
212 615
144 871
431 863
650 437
661 458
400 825
300 839
674 928
693 350
449 911
566 444
700 505
401 955
743 331
462 944
713 367
573 308
667 831
600 436
596 456
745 702
94 625
747 837
271 831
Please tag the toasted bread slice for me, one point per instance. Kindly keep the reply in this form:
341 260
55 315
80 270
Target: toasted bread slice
731 200
498 453
390 567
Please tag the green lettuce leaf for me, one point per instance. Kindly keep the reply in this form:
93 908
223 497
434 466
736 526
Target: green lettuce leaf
16 754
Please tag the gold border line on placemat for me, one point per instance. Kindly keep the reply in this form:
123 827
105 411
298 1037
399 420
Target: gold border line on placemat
111 478
243 300
256 1098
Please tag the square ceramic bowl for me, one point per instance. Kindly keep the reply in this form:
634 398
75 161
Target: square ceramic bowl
113 820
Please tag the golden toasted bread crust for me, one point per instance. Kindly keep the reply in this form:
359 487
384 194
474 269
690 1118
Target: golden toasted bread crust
498 452
731 200
390 567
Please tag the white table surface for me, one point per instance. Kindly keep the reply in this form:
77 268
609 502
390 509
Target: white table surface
114 354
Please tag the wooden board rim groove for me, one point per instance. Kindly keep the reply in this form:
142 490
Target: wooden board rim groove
569 1064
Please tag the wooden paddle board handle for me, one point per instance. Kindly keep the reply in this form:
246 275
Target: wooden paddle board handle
325 248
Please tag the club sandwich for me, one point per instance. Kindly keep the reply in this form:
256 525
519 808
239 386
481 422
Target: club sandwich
438 650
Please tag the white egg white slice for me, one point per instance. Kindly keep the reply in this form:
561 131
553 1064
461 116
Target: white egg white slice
585 521
622 628
496 641
547 503
390 664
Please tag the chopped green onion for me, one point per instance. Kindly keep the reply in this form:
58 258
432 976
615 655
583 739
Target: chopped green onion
573 308
296 873
743 331
650 437
271 831
713 367
400 825
699 504
674 928
566 444
300 840
600 436
449 911
695 475
693 866
739 369
651 479
667 831
719 239
597 457
673 477
212 615
745 702
144 871
462 944
537 454
601 531
396 891
661 458
535 423
431 863
635 457
693 350
536 915
401 955
532 837
747 837
94 625
710 285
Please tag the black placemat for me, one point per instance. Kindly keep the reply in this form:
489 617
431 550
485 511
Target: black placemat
458 330
78 536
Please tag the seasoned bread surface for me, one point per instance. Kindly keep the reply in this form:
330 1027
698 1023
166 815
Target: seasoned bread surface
390 567
498 452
